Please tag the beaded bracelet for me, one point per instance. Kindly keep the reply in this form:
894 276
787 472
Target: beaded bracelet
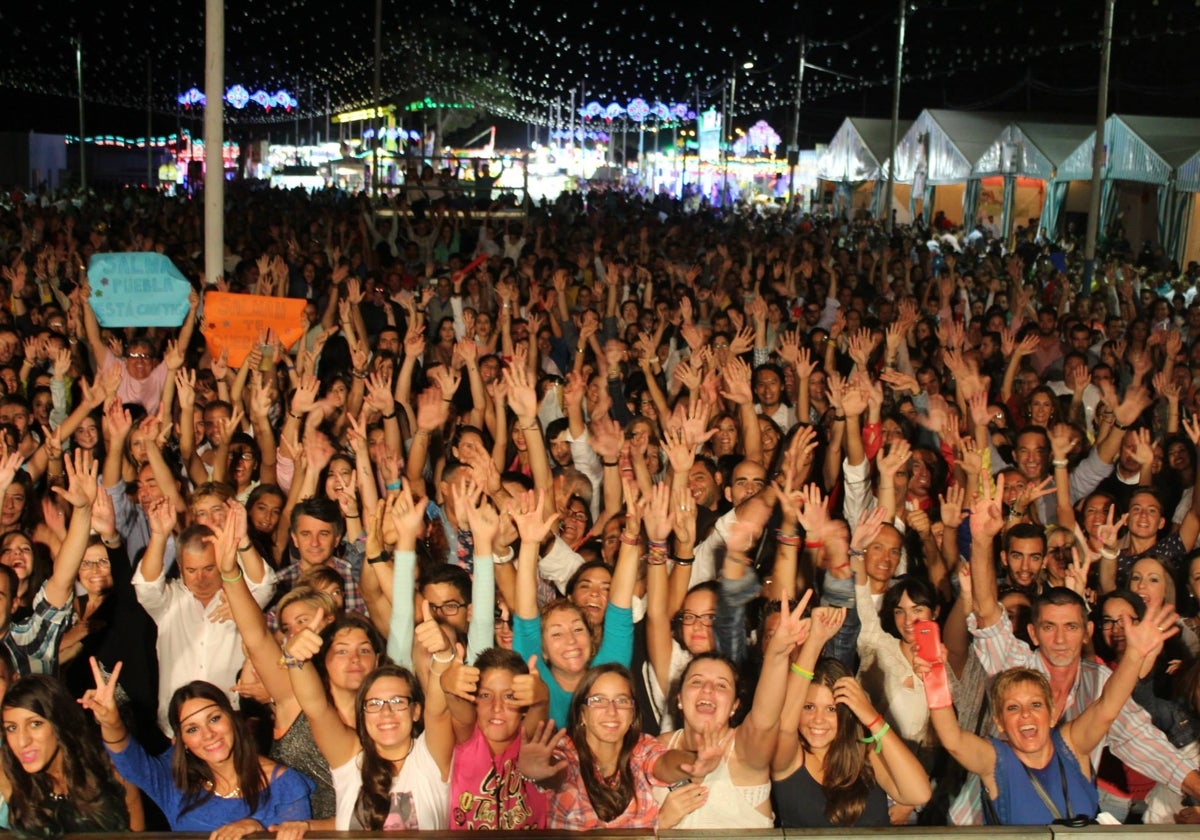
657 553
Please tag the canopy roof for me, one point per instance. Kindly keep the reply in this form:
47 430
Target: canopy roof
859 151
1144 149
946 144
1031 149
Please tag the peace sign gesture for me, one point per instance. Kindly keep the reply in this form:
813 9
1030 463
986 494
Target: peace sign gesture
102 702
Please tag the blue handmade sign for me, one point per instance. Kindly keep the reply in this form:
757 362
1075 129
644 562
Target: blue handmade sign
137 290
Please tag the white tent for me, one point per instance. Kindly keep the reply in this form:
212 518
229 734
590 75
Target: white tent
1014 172
937 156
1140 188
855 163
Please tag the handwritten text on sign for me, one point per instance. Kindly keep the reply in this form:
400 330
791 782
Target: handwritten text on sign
237 322
137 290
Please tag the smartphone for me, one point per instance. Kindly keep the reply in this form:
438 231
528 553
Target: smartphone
927 639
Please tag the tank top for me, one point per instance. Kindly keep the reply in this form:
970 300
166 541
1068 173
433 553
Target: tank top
420 800
729 805
800 803
297 749
1017 803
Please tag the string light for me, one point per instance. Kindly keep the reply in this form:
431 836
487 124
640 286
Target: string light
521 58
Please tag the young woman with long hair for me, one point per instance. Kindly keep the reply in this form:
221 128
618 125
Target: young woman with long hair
608 766
212 779
61 779
391 769
823 773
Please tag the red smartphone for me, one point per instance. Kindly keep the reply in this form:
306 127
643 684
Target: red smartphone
927 638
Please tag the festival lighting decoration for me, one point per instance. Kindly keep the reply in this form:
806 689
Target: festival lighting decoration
522 58
239 98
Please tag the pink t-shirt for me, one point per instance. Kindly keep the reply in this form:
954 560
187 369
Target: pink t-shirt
486 791
147 393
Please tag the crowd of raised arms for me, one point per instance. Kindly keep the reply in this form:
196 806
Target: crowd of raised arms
652 519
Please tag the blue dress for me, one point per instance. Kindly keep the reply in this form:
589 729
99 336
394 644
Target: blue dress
1017 802
285 798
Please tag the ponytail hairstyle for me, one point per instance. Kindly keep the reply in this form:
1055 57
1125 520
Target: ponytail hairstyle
849 776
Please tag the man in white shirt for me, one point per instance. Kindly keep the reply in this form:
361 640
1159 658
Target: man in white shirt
196 638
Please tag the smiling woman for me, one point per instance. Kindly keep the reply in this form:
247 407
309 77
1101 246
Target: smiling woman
213 778
61 780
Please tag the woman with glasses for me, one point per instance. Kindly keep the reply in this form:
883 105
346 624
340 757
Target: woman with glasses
603 769
390 762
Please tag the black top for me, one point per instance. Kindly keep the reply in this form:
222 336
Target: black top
800 803
110 817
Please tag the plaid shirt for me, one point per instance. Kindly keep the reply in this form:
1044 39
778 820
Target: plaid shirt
1133 738
570 807
345 566
32 644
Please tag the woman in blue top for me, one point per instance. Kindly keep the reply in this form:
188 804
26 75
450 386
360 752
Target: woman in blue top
213 778
1034 754
558 635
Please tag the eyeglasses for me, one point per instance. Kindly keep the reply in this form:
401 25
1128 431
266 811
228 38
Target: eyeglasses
690 618
448 608
244 455
94 564
577 515
375 705
1110 623
621 703
502 622
146 356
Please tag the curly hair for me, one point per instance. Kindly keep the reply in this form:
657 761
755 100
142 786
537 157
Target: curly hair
85 766
374 799
849 776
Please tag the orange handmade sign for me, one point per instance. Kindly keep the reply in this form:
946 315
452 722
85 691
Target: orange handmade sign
237 322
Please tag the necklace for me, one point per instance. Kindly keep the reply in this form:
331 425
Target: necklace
398 761
233 794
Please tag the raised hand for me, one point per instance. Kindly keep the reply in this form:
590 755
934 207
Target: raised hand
539 758
710 749
527 512
987 516
101 700
81 480
428 633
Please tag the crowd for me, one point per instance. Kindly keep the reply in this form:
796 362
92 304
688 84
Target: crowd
653 518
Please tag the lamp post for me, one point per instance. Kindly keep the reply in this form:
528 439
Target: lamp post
1094 209
728 132
891 181
82 144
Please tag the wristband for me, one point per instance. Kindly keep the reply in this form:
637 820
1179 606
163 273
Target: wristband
376 560
857 552
1060 464
393 485
295 416
497 560
233 579
876 722
1109 554
391 416
243 549
684 561
796 669
611 463
839 418
1122 426
630 539
877 738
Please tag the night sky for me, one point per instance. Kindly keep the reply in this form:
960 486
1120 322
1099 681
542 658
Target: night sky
519 56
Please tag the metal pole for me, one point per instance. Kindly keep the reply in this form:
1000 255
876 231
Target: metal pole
82 145
378 95
891 182
149 126
726 129
1093 223
794 148
214 161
